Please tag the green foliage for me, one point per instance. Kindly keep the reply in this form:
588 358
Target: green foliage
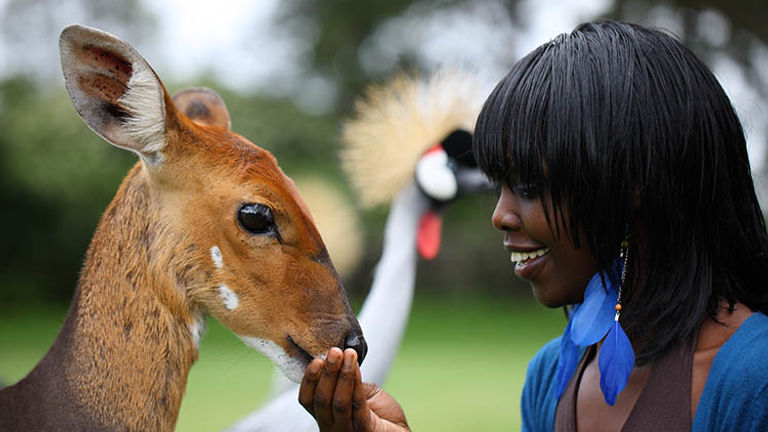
298 141
57 177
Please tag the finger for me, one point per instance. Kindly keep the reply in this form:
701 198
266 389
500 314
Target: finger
342 395
361 413
325 387
308 384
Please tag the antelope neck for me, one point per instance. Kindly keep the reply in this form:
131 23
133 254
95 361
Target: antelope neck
122 357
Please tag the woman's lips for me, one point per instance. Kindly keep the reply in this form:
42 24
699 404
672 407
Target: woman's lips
526 263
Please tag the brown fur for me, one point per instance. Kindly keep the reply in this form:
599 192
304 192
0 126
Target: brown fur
121 360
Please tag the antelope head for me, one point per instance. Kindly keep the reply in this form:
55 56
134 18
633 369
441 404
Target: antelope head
241 242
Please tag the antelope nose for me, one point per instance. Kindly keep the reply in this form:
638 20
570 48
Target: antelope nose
356 341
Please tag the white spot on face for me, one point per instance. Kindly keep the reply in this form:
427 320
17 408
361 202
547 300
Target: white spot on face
218 259
231 300
289 366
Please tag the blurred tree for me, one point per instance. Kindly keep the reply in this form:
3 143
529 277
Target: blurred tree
295 138
746 15
343 26
341 30
28 28
57 177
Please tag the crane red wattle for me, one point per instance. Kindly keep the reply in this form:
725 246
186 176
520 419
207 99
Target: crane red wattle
429 233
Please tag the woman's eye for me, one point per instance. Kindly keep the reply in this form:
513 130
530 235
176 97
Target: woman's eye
526 190
256 219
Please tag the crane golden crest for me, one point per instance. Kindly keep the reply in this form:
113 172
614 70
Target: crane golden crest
396 122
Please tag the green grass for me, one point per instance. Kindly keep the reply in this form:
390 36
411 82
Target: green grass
461 366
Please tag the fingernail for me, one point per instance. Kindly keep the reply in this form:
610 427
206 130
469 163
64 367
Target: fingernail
350 358
333 357
314 369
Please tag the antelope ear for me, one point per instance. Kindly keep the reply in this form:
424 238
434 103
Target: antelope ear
203 106
114 90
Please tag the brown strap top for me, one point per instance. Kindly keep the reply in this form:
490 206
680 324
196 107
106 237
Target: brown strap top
664 403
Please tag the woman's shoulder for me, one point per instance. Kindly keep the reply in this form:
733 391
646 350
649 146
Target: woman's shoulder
545 360
543 366
745 350
537 404
539 400
735 396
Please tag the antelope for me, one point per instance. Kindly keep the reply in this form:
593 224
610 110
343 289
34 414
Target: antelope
397 122
205 223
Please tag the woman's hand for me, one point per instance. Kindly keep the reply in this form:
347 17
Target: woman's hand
333 392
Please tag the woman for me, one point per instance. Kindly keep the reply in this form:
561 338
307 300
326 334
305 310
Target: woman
626 196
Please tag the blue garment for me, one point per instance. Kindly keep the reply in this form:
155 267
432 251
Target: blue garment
735 397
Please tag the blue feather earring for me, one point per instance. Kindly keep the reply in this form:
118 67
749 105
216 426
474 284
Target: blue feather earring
617 358
589 322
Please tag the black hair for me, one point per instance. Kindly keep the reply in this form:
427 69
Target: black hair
624 127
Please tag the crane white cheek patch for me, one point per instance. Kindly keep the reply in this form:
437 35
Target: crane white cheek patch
229 297
435 177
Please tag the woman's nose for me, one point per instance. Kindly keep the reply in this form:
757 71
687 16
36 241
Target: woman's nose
505 217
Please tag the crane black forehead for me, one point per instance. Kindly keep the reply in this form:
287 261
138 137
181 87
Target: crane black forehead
458 145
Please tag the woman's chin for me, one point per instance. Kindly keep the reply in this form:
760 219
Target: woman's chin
548 299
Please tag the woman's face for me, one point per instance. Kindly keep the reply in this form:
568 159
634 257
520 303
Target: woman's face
556 270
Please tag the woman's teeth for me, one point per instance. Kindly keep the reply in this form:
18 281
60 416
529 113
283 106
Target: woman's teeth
521 257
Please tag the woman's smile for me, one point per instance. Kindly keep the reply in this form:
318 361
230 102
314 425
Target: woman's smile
557 271
527 262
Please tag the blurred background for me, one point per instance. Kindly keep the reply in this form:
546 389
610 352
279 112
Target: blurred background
289 71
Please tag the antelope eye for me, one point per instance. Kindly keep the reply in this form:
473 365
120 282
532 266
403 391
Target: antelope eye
257 219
